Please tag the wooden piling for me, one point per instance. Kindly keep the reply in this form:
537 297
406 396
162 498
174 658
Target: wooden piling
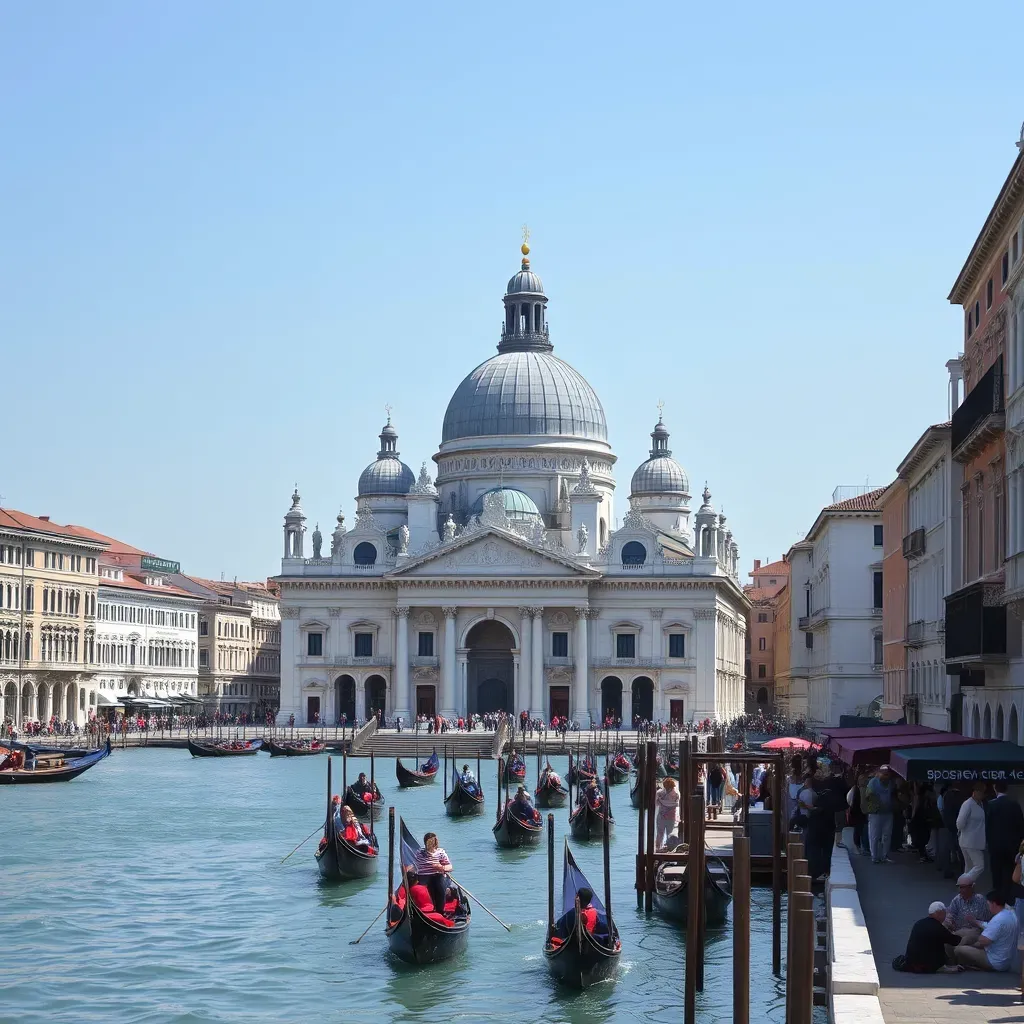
685 787
697 871
800 984
641 863
652 782
740 928
551 874
794 849
694 894
778 823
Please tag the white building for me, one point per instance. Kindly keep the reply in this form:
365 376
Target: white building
506 585
836 613
927 472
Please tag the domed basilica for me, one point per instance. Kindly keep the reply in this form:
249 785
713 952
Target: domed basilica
505 581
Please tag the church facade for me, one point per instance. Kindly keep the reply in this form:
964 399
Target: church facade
502 583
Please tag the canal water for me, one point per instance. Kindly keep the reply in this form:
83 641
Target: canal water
152 889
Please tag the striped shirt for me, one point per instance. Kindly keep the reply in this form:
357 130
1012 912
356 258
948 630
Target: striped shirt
435 863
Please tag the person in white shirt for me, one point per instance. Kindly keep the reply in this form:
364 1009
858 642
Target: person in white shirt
996 948
970 826
667 803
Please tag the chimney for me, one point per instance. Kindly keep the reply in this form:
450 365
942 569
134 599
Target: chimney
44 519
757 564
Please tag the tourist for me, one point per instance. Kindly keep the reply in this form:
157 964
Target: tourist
468 780
856 817
433 867
353 832
968 911
970 825
523 809
997 946
926 947
566 924
878 802
667 803
922 815
794 783
1004 831
952 860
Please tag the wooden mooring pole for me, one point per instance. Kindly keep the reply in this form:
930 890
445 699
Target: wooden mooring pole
740 928
694 895
641 863
800 985
778 824
650 793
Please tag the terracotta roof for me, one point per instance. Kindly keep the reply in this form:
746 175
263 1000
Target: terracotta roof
11 518
862 503
758 594
135 583
780 568
262 589
114 546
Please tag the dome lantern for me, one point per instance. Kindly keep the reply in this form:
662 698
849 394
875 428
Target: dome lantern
388 475
525 328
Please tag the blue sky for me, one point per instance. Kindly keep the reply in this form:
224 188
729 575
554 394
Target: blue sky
234 231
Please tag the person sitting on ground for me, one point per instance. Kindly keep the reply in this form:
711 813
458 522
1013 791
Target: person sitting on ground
566 924
353 832
995 949
926 947
523 809
968 911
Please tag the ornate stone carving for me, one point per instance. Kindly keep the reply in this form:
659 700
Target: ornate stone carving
334 613
537 611
366 522
636 520
424 672
426 619
525 612
491 553
581 539
424 485
449 529
403 539
450 611
402 611
657 613
559 673
593 613
560 619
585 484
289 613
493 511
318 541
704 613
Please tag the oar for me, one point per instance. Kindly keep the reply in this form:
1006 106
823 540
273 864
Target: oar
482 907
304 841
355 942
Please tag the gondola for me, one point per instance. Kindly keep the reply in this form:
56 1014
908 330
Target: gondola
361 807
511 831
337 859
515 770
460 802
586 823
634 790
295 749
550 792
581 959
619 769
46 766
426 773
415 938
224 748
670 892
581 771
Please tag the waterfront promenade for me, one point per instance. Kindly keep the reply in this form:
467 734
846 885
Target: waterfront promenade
893 897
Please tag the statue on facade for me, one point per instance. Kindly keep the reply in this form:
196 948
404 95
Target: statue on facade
581 538
449 529
317 541
403 539
338 537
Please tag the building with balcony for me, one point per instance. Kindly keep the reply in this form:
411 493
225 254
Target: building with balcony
893 505
767 581
836 603
982 640
505 584
48 589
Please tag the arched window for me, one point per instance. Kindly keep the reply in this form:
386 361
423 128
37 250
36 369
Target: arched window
603 533
634 553
365 554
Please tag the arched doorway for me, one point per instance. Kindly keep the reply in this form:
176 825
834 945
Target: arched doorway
1013 728
133 688
345 699
976 723
986 724
11 709
611 697
376 695
762 696
490 668
999 723
643 698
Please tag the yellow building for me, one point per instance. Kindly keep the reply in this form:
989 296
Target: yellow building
48 584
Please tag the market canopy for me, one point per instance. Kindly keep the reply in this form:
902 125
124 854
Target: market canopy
984 761
875 749
895 729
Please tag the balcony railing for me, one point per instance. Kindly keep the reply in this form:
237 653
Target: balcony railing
916 633
804 622
975 625
557 661
913 543
346 660
981 416
424 661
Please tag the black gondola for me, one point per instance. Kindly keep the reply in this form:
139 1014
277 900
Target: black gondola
225 748
587 823
619 769
361 806
338 859
580 959
581 771
461 801
425 774
295 749
634 790
550 792
515 770
670 892
21 764
412 935
511 831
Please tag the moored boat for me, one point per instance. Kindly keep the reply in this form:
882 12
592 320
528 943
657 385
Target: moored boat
670 892
20 764
581 771
224 748
619 769
296 749
587 822
550 792
511 830
422 776
515 769
361 806
464 799
339 858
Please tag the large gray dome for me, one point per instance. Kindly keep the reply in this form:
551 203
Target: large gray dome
524 392
660 475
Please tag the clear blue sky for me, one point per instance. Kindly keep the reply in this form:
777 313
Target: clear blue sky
233 231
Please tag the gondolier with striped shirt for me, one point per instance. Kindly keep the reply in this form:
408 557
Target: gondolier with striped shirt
433 868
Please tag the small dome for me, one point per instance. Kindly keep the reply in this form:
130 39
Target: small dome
518 506
386 476
660 475
525 281
524 393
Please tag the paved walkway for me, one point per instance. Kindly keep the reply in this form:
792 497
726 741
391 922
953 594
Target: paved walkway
893 897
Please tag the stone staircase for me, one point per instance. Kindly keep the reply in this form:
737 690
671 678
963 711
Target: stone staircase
388 743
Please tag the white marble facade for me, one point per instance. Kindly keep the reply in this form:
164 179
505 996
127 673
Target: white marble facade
506 585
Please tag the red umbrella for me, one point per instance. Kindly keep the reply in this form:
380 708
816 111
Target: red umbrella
789 743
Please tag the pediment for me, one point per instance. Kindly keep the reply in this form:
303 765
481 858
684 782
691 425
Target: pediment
491 553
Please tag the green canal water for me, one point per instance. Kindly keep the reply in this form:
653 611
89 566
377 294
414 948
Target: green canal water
152 889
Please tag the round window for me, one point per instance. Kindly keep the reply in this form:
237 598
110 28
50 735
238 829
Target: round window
364 554
634 553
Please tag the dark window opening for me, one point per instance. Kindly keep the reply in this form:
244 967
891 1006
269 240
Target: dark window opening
988 294
426 645
315 644
809 641
625 645
878 536
364 554
634 553
877 580
1006 266
364 645
677 645
560 645
762 671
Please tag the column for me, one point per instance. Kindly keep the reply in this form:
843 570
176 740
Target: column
537 665
462 698
401 705
523 689
580 708
447 709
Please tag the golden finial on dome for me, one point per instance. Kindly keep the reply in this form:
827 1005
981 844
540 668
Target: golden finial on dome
525 247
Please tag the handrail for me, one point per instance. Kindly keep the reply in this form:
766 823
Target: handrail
364 734
500 738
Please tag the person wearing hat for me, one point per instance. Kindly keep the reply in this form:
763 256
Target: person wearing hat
879 795
927 946
967 912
